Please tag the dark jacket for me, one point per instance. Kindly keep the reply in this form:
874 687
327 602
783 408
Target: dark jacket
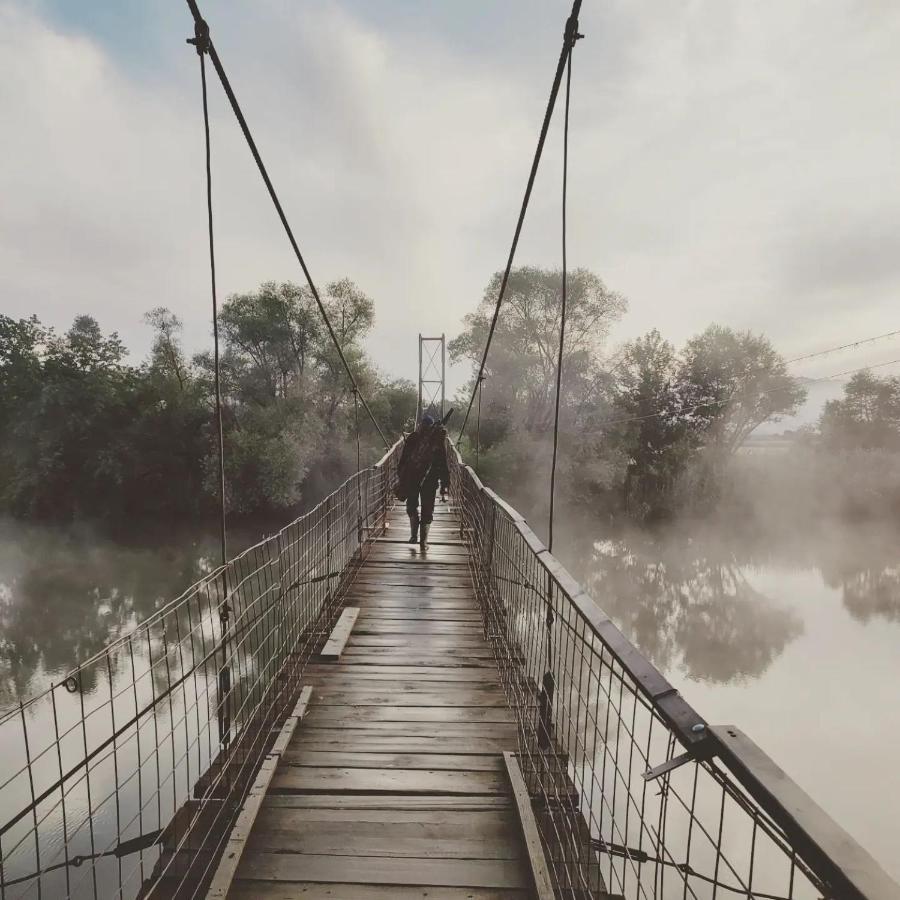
434 468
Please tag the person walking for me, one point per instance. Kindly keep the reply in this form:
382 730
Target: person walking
422 467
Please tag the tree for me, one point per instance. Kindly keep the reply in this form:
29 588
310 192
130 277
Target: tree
732 382
166 356
657 437
521 366
867 417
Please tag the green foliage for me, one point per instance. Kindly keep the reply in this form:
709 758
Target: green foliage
85 435
866 418
630 428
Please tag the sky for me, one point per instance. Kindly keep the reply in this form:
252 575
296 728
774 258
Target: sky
730 161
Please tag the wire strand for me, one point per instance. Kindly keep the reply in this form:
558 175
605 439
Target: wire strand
573 37
215 311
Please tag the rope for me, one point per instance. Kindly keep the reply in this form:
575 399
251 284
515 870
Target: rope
551 103
573 37
251 143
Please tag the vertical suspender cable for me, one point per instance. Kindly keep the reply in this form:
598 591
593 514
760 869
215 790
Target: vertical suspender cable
548 683
201 41
478 424
359 528
562 315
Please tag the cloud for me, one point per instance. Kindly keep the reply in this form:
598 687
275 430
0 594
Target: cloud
729 162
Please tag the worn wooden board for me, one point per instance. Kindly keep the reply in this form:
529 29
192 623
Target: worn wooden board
246 819
537 862
398 781
309 890
499 873
340 634
434 802
319 715
352 696
484 762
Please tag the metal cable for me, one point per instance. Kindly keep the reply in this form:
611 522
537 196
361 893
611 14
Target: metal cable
573 37
551 103
251 143
201 42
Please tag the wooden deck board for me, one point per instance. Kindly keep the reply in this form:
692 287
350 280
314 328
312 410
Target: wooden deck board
395 786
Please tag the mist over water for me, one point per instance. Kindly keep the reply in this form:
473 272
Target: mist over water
793 635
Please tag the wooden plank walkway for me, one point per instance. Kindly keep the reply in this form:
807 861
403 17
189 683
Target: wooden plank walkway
394 783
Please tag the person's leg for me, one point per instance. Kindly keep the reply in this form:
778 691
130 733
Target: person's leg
429 489
412 510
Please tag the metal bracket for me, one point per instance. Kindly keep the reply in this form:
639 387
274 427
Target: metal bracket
676 762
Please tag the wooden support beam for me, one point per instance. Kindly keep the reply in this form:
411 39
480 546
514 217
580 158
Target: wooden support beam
334 647
237 840
540 871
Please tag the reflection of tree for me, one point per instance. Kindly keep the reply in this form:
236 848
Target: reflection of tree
873 592
63 599
866 571
695 610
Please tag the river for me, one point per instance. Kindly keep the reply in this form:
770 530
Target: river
795 639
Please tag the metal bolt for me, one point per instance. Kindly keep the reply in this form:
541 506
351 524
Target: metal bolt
699 728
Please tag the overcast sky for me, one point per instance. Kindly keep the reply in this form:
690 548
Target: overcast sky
730 161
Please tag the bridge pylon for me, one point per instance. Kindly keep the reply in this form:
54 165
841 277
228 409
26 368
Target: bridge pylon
432 373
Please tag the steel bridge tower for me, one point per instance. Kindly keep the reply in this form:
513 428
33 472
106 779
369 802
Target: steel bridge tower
432 372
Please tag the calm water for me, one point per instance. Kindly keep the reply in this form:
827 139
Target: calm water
796 640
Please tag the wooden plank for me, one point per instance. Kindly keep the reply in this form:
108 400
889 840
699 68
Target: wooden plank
498 818
395 781
540 873
469 643
470 762
340 634
435 802
331 714
362 728
349 740
281 830
500 873
399 671
379 656
309 890
352 696
237 840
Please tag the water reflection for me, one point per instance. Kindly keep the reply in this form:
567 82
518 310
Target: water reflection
691 600
64 594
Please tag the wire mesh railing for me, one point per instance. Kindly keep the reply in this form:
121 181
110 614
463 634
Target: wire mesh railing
635 794
124 779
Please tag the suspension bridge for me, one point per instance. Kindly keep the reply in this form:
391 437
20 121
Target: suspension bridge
337 713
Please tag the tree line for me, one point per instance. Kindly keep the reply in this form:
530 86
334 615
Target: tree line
84 434
646 429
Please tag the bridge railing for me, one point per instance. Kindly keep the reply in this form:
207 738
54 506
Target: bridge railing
635 793
124 778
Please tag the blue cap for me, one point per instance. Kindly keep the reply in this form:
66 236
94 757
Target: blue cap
427 420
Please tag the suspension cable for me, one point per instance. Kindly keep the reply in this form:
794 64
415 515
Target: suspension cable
478 424
201 39
251 143
359 529
571 27
201 42
573 37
